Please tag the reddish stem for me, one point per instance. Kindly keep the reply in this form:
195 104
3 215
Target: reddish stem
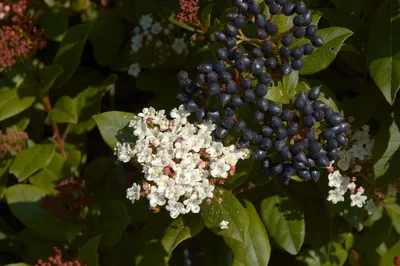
201 26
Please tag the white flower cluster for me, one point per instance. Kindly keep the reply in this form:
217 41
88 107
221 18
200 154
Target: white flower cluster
178 159
361 148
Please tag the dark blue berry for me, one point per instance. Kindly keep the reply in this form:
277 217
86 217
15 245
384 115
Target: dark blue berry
249 96
309 121
288 9
219 67
265 78
262 104
259 155
319 115
257 138
314 93
297 52
292 129
322 161
308 109
260 21
298 165
281 2
190 87
214 116
298 21
316 149
220 36
228 122
281 132
258 116
221 132
237 101
242 63
328 113
231 30
300 101
304 174
287 115
266 47
276 122
275 109
225 99
222 54
261 90
266 144
274 9
310 163
214 89
231 86
271 28
317 41
279 144
311 30
297 64
297 147
332 144
284 154
245 83
269 2
277 169
301 157
230 42
236 53
254 8
212 77
335 119
341 128
287 39
341 139
328 134
229 111
271 63
183 75
315 174
261 33
310 135
183 96
333 154
225 76
256 67
201 79
307 18
308 49
240 125
299 32
257 52
200 114
267 131
243 7
286 69
205 68
232 15
191 106
300 7
284 52
242 143
238 23
319 105
285 177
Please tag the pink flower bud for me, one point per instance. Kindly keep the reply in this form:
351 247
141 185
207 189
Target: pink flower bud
146 186
166 171
202 164
171 164
360 190
331 169
232 170
351 186
155 142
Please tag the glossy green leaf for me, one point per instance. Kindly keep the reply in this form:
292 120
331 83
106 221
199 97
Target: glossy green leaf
331 255
257 249
31 160
383 49
113 126
205 14
182 228
4 165
283 22
24 201
48 75
277 94
18 264
113 221
11 103
242 172
88 103
289 84
107 24
88 251
70 51
392 208
322 57
387 259
54 24
64 111
224 206
284 220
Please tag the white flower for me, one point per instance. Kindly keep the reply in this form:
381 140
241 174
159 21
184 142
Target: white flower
223 225
123 152
175 208
145 21
155 198
357 168
179 45
134 70
335 179
156 28
180 114
133 193
351 186
136 42
335 195
357 199
219 168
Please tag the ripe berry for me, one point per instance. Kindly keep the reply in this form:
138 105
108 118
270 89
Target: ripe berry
277 169
284 52
225 76
300 7
328 134
200 114
220 36
231 86
183 96
245 83
256 67
274 9
260 21
230 42
262 104
258 116
319 105
297 64
341 139
243 7
242 63
232 15
298 21
297 52
237 101
310 163
297 147
221 132
279 144
310 135
288 9
240 125
266 144
231 31
238 23
228 122
254 8
396 260
267 131
323 161
284 154
266 47
212 77
299 32
319 115
219 67
341 128
242 143
311 30
205 68
309 121
308 109
271 28
281 2
259 154
261 90
300 101
315 174
281 132
286 69
287 39
275 109
316 149
292 129
317 41
249 96
332 144
328 113
301 157
214 116
308 48
275 122
236 53
256 138
314 93
229 111
222 54
191 106
285 177
298 165
304 174
333 154
225 99
287 115
335 120
261 34
265 78
201 79
307 18
271 63
269 2
257 52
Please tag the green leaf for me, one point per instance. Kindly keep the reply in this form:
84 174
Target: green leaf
257 249
48 75
113 221
11 103
182 228
28 161
277 94
283 22
54 24
70 51
113 126
392 208
88 103
243 170
185 26
107 24
24 201
18 264
4 165
224 206
331 255
52 174
88 251
322 57
387 259
289 84
284 220
383 49
64 111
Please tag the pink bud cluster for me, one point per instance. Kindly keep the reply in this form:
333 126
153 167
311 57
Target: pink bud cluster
12 141
57 260
189 9
21 36
71 199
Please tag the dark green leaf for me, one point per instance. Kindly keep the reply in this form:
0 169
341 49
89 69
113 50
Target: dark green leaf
383 49
11 103
182 228
70 51
257 249
392 208
88 251
64 111
387 259
31 160
113 126
107 24
205 14
54 24
243 169
224 206
48 75
331 255
180 24
284 220
113 221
